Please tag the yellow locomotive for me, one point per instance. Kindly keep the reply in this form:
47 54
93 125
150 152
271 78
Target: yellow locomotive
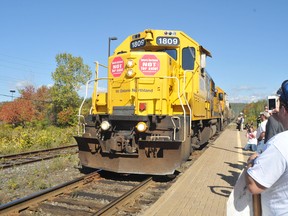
222 106
159 105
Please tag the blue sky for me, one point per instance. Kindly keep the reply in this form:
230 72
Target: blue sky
247 38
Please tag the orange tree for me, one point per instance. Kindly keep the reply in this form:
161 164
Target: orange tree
31 106
18 112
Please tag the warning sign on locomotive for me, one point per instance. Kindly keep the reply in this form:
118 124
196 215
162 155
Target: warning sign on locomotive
149 65
117 66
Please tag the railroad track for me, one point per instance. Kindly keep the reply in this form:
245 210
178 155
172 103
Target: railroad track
96 195
89 195
12 160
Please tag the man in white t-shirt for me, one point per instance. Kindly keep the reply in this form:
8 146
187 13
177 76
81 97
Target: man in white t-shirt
267 173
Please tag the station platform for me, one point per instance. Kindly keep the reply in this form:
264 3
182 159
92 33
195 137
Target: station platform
204 188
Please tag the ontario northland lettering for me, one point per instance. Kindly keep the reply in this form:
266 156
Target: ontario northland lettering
133 90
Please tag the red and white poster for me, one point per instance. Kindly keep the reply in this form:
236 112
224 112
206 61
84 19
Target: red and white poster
149 65
117 66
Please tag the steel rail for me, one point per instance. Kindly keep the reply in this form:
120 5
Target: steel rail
19 205
35 152
6 164
111 207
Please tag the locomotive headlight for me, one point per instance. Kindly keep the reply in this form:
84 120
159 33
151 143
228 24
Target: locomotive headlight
130 63
105 125
130 73
141 126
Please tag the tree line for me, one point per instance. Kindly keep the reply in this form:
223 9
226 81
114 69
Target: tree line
57 105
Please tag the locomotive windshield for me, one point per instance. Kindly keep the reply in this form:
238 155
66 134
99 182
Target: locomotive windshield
170 52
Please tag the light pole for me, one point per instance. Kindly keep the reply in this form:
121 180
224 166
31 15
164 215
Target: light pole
12 92
109 40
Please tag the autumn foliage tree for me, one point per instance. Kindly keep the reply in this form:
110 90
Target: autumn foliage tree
30 106
17 112
43 104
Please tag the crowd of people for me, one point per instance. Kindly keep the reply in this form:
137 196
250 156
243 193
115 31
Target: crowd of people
267 168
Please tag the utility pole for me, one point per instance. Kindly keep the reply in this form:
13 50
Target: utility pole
12 92
109 41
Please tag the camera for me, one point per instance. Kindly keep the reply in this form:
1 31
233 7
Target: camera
273 102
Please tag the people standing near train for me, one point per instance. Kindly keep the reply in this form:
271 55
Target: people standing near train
252 141
261 132
240 121
267 173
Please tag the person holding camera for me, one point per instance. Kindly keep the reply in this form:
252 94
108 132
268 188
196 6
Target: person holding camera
252 141
267 173
273 126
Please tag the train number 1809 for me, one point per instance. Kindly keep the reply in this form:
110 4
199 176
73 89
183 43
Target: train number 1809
137 43
170 41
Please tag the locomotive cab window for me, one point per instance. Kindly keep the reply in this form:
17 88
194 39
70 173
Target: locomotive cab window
221 96
188 58
170 52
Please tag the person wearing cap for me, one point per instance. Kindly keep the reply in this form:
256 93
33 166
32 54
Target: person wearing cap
267 173
261 131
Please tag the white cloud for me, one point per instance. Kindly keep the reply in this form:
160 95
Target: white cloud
22 84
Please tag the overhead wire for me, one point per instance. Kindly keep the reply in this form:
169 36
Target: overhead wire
20 65
13 97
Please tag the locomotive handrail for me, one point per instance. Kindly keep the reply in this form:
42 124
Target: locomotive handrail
96 79
180 100
80 108
187 102
175 128
85 97
183 108
86 93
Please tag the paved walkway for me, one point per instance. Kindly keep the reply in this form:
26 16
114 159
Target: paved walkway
205 187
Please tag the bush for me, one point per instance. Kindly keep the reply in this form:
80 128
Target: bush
15 140
67 117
